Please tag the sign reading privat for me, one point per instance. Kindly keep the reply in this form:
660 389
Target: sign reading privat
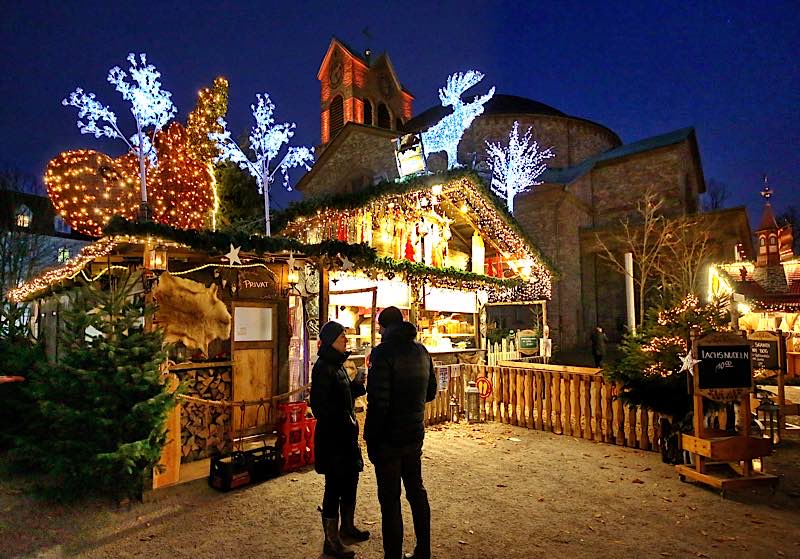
764 350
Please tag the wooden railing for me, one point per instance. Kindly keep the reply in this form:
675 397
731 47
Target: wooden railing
574 401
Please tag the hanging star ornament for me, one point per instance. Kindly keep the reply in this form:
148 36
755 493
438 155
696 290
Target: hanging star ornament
233 255
688 362
346 264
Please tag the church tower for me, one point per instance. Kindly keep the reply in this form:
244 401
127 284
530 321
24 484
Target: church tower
774 242
360 89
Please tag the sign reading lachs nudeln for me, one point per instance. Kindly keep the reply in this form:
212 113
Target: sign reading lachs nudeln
724 366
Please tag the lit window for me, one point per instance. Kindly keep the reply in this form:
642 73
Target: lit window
61 226
63 254
773 240
24 216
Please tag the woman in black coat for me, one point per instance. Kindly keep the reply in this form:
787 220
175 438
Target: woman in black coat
336 451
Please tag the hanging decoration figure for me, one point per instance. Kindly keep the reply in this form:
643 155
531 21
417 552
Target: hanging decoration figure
266 141
517 166
446 134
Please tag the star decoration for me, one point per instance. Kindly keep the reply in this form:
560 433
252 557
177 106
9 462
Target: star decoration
233 255
688 362
346 264
290 262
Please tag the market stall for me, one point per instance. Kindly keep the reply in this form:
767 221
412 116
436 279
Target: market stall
446 247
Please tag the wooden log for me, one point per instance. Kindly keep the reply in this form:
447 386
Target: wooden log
529 420
567 404
644 441
630 438
519 406
608 413
538 385
495 378
619 416
513 404
580 428
557 403
548 401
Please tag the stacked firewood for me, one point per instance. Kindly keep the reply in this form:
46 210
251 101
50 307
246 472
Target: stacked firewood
205 429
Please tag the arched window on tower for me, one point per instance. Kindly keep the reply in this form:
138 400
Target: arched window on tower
367 112
336 110
384 119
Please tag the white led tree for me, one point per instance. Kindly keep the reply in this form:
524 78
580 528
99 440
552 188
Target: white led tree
150 105
516 167
445 134
266 141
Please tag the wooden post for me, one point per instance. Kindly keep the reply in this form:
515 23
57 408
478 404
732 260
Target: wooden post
567 404
619 413
631 435
512 396
593 408
537 398
781 384
580 429
171 452
557 402
529 399
496 394
608 413
548 402
644 440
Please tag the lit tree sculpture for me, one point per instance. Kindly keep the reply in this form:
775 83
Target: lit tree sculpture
266 141
516 167
445 134
150 106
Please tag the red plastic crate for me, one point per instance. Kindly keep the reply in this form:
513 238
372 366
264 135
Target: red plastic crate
293 456
310 428
291 433
294 412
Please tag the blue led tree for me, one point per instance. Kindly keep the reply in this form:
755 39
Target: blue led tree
266 141
516 166
445 134
150 105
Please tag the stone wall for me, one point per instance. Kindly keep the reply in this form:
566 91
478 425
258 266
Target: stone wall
572 140
354 165
553 218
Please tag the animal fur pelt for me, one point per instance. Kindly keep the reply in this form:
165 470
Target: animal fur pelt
190 312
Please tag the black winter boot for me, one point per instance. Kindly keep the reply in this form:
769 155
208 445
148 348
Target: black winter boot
333 545
349 530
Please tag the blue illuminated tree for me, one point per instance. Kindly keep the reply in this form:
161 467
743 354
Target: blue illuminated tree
446 134
266 141
150 105
516 167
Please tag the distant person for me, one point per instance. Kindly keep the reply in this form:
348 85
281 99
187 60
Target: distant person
336 451
599 341
401 380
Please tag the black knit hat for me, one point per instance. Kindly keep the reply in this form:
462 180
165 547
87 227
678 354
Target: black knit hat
329 332
389 316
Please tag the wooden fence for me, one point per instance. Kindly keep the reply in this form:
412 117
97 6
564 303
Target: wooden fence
574 401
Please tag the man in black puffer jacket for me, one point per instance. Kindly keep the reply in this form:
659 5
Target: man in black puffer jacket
401 379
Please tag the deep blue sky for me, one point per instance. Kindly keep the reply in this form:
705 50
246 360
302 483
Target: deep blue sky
730 69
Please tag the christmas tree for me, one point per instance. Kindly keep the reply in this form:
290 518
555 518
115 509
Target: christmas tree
649 368
102 406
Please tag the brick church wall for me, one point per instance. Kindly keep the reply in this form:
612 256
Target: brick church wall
573 141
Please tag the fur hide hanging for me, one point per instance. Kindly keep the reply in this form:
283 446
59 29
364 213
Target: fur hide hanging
190 312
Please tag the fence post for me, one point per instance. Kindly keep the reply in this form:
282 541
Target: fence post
538 394
567 404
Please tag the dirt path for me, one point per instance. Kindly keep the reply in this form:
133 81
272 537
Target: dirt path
495 492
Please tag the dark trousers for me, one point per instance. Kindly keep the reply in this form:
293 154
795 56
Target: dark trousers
391 466
598 359
340 490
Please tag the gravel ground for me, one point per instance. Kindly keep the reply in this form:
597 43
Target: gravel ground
496 492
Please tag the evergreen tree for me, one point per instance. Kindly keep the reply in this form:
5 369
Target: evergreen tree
103 406
650 362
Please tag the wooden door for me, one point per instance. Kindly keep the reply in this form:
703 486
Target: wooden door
255 333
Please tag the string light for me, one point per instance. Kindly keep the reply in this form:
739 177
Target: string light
88 187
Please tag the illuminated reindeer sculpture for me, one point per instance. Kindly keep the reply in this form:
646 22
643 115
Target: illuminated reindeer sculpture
445 134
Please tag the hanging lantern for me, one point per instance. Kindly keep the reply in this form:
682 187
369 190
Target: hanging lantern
155 258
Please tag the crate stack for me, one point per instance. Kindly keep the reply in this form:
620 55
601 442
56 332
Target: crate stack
295 445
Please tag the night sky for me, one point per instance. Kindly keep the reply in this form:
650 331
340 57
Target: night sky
730 69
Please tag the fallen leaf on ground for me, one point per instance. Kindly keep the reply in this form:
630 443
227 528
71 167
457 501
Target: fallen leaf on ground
462 542
501 485
515 439
637 480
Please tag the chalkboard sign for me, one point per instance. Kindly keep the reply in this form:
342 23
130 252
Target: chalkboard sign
724 366
527 342
764 349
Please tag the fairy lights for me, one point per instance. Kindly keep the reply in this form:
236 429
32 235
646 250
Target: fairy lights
88 187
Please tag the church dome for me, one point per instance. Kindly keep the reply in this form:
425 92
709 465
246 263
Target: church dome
498 104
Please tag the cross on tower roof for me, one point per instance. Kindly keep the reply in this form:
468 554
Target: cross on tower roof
766 192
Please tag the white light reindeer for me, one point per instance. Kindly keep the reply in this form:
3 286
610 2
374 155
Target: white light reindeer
445 134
